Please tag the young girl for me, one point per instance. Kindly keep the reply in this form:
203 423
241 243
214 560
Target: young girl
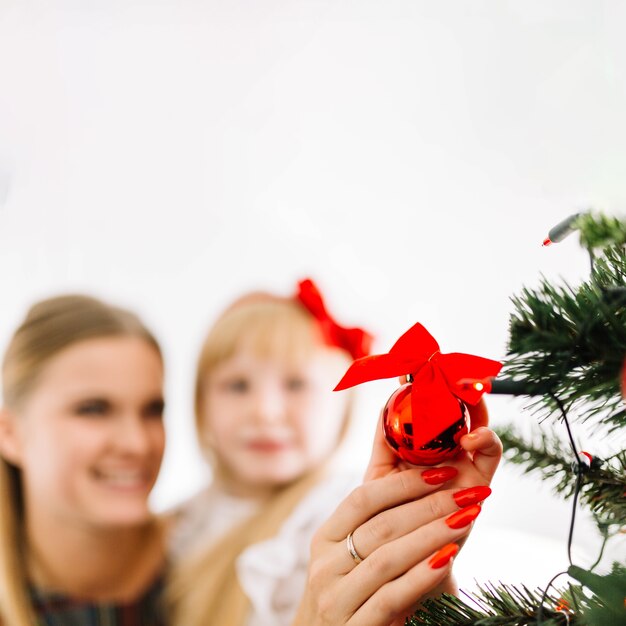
81 442
269 422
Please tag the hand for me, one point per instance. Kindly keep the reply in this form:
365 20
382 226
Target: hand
476 464
398 521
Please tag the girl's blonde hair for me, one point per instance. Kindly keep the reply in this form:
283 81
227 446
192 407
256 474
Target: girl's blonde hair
50 326
204 588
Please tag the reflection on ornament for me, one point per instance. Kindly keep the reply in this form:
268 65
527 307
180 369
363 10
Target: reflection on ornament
398 430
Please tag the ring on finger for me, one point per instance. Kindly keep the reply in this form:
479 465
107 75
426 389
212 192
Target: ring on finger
356 557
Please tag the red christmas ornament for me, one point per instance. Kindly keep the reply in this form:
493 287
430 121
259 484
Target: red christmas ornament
424 420
398 430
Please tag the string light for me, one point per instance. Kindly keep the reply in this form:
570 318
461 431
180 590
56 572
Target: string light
477 384
563 608
582 464
562 229
504 386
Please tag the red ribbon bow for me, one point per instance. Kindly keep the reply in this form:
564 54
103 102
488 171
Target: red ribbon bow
436 387
355 341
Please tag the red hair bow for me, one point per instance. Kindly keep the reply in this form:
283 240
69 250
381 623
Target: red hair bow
436 385
355 341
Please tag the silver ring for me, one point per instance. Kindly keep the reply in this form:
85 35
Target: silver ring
352 550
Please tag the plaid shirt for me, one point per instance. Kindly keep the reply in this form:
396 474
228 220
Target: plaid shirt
57 610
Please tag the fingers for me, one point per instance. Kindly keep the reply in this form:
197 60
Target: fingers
400 541
485 448
397 598
400 521
396 558
325 603
375 496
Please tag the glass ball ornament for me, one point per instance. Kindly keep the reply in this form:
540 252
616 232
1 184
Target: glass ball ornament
398 431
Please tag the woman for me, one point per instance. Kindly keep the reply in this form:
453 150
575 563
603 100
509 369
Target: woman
81 443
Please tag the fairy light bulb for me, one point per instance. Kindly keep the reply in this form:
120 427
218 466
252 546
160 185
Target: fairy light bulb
562 229
482 384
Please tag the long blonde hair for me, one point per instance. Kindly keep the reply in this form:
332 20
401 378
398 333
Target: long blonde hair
50 326
204 587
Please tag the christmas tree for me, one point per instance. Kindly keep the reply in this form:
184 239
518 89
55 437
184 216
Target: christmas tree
566 352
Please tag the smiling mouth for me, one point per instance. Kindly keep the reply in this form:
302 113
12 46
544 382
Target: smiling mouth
127 480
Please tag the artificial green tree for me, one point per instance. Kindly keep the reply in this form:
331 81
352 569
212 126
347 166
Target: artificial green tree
566 352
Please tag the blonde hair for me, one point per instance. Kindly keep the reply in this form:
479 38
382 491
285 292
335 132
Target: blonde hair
204 587
50 326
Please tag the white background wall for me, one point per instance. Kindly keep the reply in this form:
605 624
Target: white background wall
410 155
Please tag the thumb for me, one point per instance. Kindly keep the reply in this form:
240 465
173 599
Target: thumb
485 448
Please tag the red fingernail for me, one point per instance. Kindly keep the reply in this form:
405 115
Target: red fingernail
473 495
463 517
441 558
439 475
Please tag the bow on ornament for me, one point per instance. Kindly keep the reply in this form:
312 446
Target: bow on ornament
355 341
437 384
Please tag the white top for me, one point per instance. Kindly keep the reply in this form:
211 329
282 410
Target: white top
272 573
205 517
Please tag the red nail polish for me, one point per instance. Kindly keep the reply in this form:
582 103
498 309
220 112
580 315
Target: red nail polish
463 517
473 495
441 558
439 475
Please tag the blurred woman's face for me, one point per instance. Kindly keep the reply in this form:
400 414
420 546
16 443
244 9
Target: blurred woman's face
89 439
268 421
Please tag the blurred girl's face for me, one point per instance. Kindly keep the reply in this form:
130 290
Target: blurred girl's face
89 438
268 421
